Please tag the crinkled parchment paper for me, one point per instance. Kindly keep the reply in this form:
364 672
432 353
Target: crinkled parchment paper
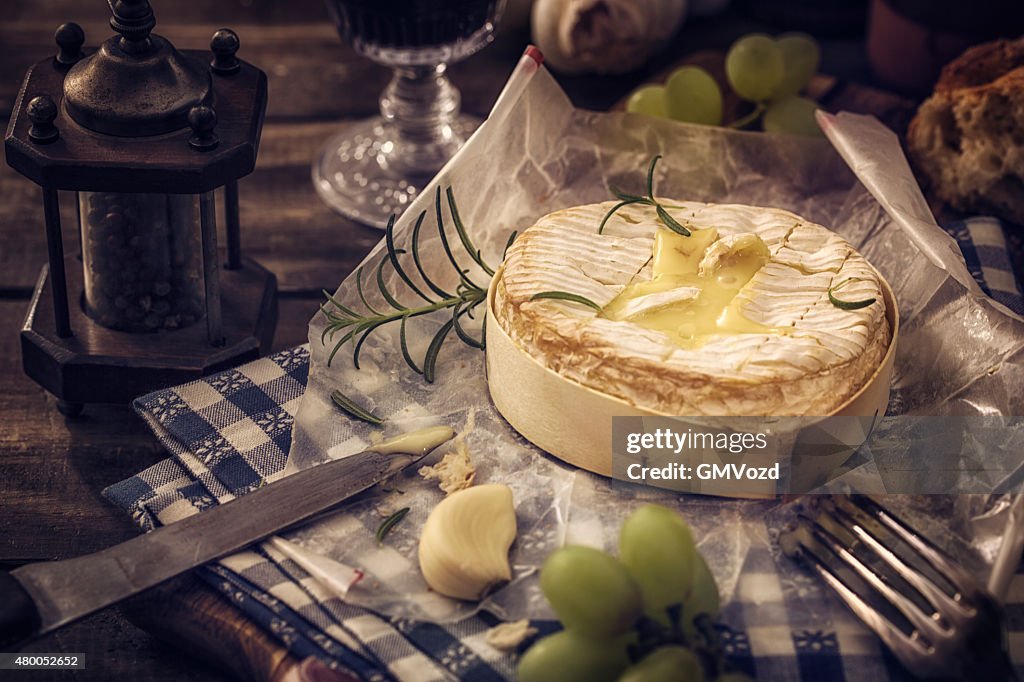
958 352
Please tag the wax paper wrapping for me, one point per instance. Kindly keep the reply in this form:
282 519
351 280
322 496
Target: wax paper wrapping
958 352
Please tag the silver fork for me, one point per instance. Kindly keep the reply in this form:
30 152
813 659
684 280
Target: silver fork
953 632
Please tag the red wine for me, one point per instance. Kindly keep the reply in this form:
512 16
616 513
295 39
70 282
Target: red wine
410 23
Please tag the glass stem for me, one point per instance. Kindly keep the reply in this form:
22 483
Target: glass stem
420 105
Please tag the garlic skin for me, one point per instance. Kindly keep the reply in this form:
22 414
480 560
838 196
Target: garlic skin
464 545
603 36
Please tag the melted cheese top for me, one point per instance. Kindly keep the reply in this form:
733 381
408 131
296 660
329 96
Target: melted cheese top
733 319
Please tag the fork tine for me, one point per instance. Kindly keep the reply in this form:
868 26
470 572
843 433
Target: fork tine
957 576
892 636
950 609
919 620
962 638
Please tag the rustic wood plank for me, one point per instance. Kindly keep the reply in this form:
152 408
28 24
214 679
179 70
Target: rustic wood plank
310 73
203 12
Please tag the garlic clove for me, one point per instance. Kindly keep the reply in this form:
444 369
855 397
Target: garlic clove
464 545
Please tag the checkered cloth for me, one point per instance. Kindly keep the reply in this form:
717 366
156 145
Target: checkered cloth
230 433
983 245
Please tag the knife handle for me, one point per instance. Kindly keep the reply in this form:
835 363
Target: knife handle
19 618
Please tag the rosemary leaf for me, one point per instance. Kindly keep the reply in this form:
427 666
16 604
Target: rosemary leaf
670 222
403 342
331 330
566 296
476 302
354 409
650 178
467 244
625 196
430 359
337 304
359 289
508 244
362 339
616 207
352 333
627 199
337 347
466 338
848 305
390 522
444 240
384 290
416 257
472 306
358 326
393 253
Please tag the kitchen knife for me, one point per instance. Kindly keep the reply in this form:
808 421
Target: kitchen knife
37 598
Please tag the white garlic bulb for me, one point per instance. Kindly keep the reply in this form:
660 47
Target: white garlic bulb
603 36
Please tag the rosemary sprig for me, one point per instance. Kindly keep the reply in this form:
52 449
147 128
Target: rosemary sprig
848 305
566 296
390 522
355 326
625 199
354 409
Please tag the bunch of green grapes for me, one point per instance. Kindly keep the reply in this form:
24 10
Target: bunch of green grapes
635 618
770 72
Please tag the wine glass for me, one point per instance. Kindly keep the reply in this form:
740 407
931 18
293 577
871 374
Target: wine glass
377 167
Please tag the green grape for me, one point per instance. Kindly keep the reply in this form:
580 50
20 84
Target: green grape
650 100
692 95
703 596
666 664
656 545
754 67
800 58
794 115
570 657
592 592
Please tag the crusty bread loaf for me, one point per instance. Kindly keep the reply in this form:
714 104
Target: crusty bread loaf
968 137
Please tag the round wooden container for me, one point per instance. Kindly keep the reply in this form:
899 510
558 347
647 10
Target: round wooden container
574 422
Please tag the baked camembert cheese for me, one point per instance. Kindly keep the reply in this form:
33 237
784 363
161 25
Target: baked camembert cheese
735 319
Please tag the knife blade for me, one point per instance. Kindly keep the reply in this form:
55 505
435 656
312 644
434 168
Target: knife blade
41 597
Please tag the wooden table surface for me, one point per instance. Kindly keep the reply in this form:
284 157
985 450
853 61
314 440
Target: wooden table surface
53 469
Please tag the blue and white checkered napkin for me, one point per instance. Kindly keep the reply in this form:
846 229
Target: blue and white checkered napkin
230 432
983 245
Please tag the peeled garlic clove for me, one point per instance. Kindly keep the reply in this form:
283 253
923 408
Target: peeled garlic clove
464 544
